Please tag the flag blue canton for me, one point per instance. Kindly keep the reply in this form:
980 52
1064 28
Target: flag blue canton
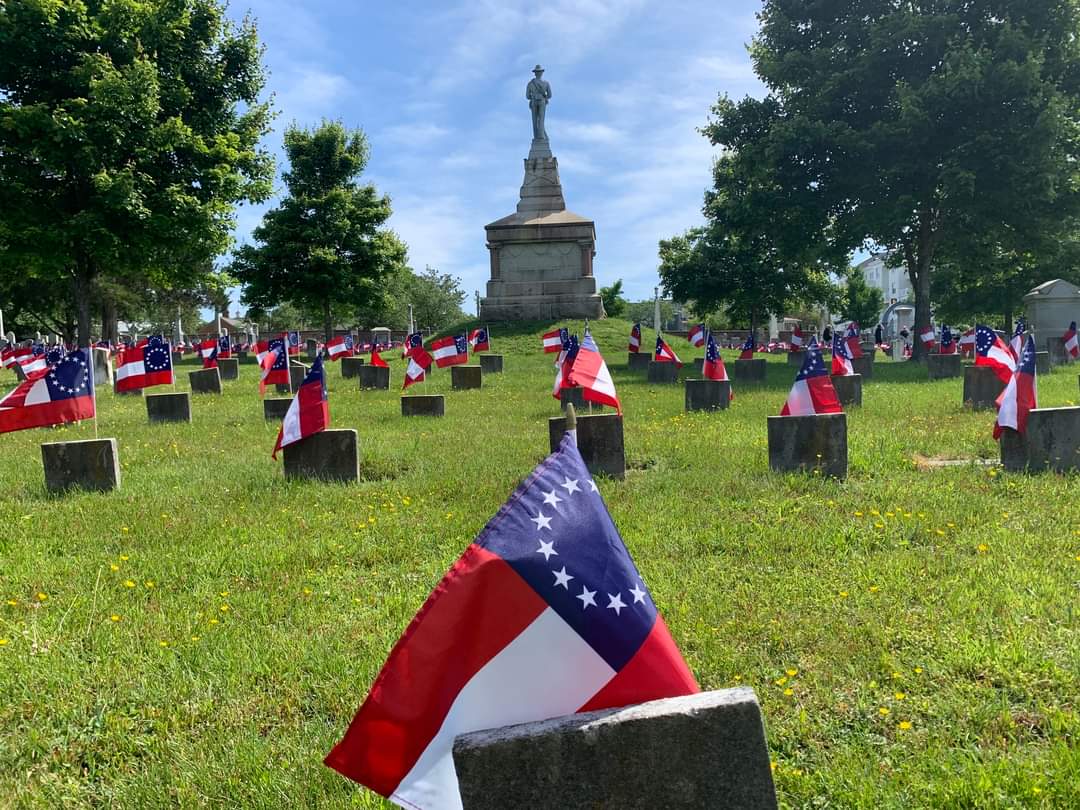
985 338
54 355
156 355
1021 327
564 337
415 340
294 338
571 346
813 365
1027 358
223 343
71 377
315 375
461 344
749 345
281 361
946 337
556 533
659 347
712 352
481 336
348 342
840 347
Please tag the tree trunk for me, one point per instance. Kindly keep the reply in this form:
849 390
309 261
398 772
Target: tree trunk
109 329
328 323
84 280
1008 322
918 254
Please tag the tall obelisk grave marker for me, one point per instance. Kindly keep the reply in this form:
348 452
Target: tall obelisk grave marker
542 254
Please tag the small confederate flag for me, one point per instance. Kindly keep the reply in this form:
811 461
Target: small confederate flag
813 390
208 350
479 340
146 364
64 393
696 335
665 354
553 341
308 413
544 614
1017 342
713 367
224 347
338 347
450 351
377 361
797 339
852 338
841 356
294 343
928 338
1071 344
967 342
413 341
1020 395
274 363
748 349
992 351
948 343
589 372
563 365
419 361
635 339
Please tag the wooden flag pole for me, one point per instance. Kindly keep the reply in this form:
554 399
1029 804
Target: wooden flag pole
93 386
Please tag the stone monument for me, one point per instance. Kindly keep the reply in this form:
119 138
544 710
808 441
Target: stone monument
541 255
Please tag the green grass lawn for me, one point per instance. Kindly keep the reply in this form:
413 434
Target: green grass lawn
203 636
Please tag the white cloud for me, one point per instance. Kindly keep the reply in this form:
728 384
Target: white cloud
413 135
307 94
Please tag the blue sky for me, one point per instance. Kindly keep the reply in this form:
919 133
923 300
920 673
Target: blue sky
438 87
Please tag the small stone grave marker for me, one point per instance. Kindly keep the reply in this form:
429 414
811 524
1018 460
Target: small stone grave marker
809 443
169 407
330 455
93 464
464 378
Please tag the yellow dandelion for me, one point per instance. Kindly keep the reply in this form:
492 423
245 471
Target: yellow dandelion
3 641
772 765
12 602
899 695
41 597
883 711
983 548
163 644
843 594
124 558
224 593
114 567
879 525
792 672
940 532
874 589
213 621
858 514
873 684
307 591
780 681
874 512
789 692
896 676
124 529
904 725
224 608
918 670
128 583
114 618
149 583
195 638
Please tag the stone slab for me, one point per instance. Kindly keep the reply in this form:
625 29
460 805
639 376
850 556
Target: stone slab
466 378
864 366
177 358
491 363
576 397
374 378
92 465
796 358
229 368
297 372
1042 363
1059 355
698 364
749 370
848 389
663 373
103 367
638 361
981 388
350 367
205 381
707 395
170 407
944 366
699 751
809 443
242 356
275 408
330 455
423 405
600 441
1051 442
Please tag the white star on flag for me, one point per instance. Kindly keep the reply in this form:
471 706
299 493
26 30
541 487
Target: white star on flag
616 603
547 549
562 578
586 597
541 521
552 499
570 486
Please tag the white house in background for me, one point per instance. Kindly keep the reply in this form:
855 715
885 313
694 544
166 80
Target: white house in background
895 287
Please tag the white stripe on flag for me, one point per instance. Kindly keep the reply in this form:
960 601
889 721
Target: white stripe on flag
547 671
38 394
445 351
799 401
130 370
290 426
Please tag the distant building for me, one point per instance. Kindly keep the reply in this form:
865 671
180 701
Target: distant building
895 287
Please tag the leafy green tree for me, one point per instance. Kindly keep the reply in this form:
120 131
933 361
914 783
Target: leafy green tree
614 303
128 132
325 245
861 302
905 124
437 298
644 312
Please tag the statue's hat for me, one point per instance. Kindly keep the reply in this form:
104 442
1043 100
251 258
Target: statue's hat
538 69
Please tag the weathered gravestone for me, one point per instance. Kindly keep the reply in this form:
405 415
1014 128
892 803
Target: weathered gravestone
312 349
663 373
898 350
848 388
981 387
864 366
815 443
599 440
943 366
275 408
103 369
205 381
698 751
749 371
707 395
375 378
464 378
423 405
1059 355
330 455
576 396
229 368
638 361
350 367
1042 363
93 465
177 358
297 372
698 364
1051 442
491 363
170 407
242 356
796 358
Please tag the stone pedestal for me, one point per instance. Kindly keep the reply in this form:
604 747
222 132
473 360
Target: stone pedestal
297 372
796 358
541 255
242 356
171 407
275 408
1059 355
699 751
93 465
491 363
103 367
177 358
981 387
576 397
465 378
1052 442
135 392
1042 363
312 349
423 405
848 389
663 373
374 378
330 455
809 443
638 361
749 370
205 381
864 366
707 395
944 366
599 439
229 368
350 367
898 350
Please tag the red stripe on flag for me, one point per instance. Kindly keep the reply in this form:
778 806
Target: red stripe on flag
481 601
